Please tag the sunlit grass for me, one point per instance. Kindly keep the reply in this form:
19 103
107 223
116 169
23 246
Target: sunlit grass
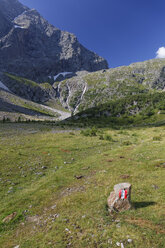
39 170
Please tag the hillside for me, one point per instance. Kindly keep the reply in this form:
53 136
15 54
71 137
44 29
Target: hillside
14 108
91 89
146 108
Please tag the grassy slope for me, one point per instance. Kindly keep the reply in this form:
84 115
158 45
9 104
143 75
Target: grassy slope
22 80
25 107
82 219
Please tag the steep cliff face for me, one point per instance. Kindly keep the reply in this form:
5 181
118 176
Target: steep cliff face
12 8
31 47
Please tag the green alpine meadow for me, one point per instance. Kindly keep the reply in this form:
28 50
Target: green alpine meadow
57 180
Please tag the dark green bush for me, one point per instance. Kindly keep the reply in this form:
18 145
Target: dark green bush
89 132
108 137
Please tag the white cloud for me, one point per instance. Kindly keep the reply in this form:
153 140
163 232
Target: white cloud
160 54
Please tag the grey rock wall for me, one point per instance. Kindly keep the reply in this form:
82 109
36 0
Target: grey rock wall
33 48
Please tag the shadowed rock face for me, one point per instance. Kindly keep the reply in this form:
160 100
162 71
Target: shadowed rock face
31 47
9 9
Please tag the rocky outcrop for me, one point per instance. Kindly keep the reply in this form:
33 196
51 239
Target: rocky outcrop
31 47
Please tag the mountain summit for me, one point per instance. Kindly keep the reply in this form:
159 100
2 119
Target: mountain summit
33 48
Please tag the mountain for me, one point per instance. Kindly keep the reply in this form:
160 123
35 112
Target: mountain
33 48
40 64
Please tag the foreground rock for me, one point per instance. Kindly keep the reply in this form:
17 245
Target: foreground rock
120 199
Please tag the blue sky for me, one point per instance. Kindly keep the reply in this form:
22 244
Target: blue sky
122 31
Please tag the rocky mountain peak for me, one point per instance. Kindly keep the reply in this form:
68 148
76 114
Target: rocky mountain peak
11 8
32 19
33 48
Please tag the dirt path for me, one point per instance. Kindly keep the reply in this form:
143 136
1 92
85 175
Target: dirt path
63 114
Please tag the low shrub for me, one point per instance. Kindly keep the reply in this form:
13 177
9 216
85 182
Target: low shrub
89 132
157 138
108 137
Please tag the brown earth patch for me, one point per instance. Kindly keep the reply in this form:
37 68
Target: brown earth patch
10 217
110 160
146 224
67 151
124 176
161 165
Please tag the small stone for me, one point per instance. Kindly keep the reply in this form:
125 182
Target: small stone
122 246
117 221
155 186
26 211
32 219
67 230
17 246
79 177
118 243
44 167
110 241
129 240
53 207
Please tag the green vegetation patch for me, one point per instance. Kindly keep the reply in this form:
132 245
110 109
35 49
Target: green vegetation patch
130 105
22 80
46 86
